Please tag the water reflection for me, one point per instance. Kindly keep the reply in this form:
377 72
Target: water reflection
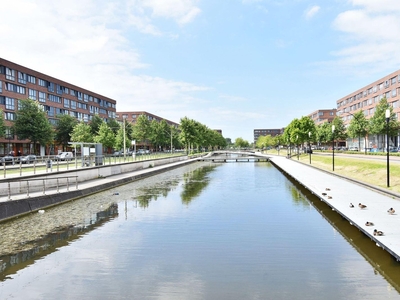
194 182
60 236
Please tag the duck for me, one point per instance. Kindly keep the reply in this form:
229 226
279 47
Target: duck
115 194
378 232
41 211
369 224
329 197
327 189
324 194
391 211
362 206
351 205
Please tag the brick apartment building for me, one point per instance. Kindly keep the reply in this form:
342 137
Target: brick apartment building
323 115
366 99
131 117
56 96
264 132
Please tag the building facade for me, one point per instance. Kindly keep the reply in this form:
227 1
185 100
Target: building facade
131 117
56 96
366 99
323 115
264 132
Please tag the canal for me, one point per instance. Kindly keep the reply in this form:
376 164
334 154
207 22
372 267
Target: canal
203 231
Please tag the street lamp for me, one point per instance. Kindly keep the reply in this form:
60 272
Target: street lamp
309 144
333 147
133 143
387 144
124 118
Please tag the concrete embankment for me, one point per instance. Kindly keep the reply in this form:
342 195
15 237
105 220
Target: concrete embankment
91 180
344 197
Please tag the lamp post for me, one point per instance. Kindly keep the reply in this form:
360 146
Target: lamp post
133 143
309 144
124 118
387 144
333 147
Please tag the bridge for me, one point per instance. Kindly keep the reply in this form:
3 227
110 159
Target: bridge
234 156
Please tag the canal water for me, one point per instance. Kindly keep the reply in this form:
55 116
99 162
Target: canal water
203 231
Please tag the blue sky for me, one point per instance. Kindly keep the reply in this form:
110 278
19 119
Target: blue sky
234 65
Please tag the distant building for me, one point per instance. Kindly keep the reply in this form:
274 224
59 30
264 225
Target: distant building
57 97
265 132
131 117
323 115
366 99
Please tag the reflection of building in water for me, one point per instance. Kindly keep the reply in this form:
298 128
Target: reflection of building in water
60 236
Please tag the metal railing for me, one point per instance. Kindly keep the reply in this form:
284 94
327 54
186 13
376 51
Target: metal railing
46 185
50 164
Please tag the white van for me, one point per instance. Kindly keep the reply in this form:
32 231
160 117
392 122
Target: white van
65 156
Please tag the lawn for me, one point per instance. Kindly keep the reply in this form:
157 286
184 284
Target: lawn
364 170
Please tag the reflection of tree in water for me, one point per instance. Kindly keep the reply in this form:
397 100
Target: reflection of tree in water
297 196
146 194
194 182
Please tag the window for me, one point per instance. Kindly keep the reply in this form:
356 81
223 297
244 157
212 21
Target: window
72 92
31 79
86 97
54 98
32 94
395 104
386 83
387 95
50 87
82 105
1 87
85 117
42 82
73 104
10 103
42 97
59 89
321 113
9 116
375 88
22 77
91 98
66 90
102 111
15 88
10 74
79 95
66 103
394 93
381 86
393 80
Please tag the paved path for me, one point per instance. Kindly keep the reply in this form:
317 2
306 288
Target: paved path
342 192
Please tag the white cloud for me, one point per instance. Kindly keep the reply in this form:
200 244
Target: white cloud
371 34
86 43
311 12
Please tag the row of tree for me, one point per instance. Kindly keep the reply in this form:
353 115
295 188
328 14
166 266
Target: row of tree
32 124
304 130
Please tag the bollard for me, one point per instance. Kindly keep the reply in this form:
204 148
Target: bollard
44 187
9 191
58 190
27 189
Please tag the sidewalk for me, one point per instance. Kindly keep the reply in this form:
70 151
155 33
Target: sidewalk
339 193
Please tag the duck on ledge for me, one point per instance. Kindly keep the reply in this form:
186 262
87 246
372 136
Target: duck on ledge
378 232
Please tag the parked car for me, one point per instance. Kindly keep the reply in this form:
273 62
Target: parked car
28 159
353 148
65 156
8 160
